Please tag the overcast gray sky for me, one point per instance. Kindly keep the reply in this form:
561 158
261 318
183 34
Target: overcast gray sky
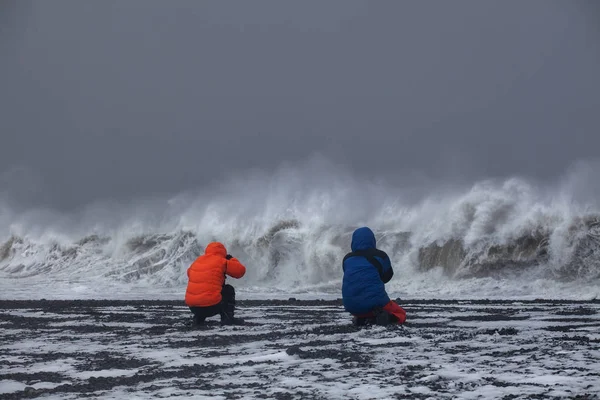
118 99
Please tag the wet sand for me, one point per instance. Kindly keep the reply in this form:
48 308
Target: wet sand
299 349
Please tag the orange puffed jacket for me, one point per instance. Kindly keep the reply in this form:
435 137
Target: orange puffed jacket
206 276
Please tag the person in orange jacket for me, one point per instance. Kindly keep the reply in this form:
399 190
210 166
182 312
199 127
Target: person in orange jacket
207 294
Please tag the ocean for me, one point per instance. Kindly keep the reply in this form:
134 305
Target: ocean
494 239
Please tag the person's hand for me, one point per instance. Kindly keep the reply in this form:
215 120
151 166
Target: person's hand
228 257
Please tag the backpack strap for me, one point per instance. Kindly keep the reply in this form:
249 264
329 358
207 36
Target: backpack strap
369 255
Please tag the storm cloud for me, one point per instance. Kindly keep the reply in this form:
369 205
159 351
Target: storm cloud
123 99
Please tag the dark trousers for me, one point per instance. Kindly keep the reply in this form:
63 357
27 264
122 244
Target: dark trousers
225 308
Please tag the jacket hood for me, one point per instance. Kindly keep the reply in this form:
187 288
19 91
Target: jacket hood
363 239
215 248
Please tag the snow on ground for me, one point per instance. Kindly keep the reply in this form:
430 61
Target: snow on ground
299 349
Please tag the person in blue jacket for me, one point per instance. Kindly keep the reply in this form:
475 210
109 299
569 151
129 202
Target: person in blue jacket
366 271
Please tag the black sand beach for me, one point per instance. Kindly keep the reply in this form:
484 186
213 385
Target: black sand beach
299 349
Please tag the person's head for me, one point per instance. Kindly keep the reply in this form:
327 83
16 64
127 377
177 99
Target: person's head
363 239
215 248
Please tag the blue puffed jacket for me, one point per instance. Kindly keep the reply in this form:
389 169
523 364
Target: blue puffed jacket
366 270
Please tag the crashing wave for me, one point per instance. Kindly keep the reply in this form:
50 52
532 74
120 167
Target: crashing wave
288 246
292 239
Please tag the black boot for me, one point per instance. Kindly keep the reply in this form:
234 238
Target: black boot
382 318
231 320
363 321
227 317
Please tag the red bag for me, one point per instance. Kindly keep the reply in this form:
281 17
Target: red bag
390 308
396 311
